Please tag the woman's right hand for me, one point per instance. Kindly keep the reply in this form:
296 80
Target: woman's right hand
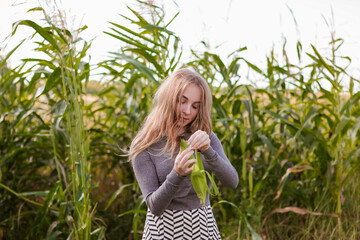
182 162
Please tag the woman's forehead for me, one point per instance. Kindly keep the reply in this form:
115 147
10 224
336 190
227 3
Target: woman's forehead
193 93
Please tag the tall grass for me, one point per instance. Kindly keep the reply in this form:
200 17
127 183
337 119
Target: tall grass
63 173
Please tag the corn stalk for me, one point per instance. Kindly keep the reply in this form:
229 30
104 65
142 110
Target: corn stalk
69 71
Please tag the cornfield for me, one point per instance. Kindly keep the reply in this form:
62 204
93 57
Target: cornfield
63 136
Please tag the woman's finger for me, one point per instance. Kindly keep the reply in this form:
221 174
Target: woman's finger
185 155
184 152
190 163
189 166
191 139
182 162
199 140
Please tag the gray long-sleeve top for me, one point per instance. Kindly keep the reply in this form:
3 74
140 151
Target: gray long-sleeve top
164 189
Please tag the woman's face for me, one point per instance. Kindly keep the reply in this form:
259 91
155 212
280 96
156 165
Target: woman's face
189 104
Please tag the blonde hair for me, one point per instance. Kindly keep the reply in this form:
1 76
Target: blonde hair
164 118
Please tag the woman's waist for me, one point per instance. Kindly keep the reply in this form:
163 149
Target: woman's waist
189 202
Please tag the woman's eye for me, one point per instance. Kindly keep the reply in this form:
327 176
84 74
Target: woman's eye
195 107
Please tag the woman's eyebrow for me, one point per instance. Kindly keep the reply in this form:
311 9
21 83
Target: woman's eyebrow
188 99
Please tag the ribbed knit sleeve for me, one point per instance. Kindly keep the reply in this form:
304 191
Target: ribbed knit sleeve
157 197
220 164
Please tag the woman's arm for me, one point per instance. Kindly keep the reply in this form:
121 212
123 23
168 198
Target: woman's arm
157 197
220 164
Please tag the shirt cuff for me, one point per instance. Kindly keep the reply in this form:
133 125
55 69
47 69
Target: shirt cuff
209 153
174 178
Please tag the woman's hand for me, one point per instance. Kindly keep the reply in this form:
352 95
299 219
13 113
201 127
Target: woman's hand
183 165
199 140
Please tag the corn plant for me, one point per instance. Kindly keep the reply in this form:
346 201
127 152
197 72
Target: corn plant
58 80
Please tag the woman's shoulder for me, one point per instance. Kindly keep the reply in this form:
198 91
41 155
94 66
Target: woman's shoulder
215 140
213 135
158 144
154 148
143 155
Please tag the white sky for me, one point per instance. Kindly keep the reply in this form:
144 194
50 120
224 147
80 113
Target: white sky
257 24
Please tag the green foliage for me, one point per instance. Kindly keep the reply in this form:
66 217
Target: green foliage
64 173
43 134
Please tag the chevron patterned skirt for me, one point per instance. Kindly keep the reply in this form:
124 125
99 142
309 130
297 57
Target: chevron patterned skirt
181 225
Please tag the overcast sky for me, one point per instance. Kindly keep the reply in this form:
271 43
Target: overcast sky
259 25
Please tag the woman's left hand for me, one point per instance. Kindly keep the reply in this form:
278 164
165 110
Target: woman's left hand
199 140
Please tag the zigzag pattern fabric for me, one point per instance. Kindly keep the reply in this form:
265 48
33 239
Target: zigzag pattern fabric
194 224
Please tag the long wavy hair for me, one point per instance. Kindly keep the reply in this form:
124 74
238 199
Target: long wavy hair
164 119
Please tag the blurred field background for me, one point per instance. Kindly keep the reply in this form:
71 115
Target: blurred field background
63 175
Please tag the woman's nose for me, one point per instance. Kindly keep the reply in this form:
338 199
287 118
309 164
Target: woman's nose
186 108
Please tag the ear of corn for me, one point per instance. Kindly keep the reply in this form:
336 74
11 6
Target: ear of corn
198 177
184 146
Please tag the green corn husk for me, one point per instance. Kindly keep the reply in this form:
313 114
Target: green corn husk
198 177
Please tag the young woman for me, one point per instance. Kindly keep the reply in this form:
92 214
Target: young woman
182 110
